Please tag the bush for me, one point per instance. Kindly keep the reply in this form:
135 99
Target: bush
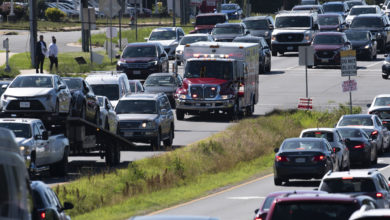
54 14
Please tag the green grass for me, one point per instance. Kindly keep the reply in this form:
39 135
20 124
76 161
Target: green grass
243 150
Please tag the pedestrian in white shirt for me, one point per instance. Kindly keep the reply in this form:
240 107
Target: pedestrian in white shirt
53 54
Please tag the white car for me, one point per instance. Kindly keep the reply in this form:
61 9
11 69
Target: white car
189 39
108 118
382 100
169 38
362 9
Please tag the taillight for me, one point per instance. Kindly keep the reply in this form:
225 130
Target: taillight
379 195
42 215
319 158
374 133
241 90
258 218
281 159
359 146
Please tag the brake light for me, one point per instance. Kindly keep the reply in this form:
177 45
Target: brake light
374 133
319 158
384 122
359 146
318 132
258 218
347 178
281 159
42 215
241 90
379 195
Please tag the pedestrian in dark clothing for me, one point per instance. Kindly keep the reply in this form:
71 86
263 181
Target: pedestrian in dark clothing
53 54
41 51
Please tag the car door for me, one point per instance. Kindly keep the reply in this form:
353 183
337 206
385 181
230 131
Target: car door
386 189
383 130
112 118
41 152
333 159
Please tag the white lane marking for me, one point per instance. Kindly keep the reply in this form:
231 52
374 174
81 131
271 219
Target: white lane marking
246 197
374 64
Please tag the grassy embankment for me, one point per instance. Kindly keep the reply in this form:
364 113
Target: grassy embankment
243 151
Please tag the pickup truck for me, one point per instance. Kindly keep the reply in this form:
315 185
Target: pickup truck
41 151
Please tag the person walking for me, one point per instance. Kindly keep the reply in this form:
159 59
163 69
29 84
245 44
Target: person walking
40 52
53 54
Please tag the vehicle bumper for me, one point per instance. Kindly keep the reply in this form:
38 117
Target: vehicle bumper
358 156
198 105
300 172
327 61
138 73
363 52
288 47
385 69
139 135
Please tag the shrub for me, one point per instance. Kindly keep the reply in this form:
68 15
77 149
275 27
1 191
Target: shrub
54 14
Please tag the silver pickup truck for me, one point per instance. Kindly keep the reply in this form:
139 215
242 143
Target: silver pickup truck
41 151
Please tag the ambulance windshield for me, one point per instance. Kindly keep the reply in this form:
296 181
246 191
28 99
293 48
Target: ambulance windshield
209 69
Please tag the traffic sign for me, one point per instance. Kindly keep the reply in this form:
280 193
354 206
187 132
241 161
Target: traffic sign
348 63
306 56
305 103
349 85
111 32
110 8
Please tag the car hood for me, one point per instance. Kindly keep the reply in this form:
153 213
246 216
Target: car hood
294 30
328 27
157 89
208 81
226 36
27 92
136 117
260 33
356 43
114 102
201 27
180 47
228 11
137 59
20 141
372 29
327 47
164 43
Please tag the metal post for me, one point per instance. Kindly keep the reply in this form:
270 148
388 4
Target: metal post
174 14
33 30
84 32
136 23
120 26
307 84
7 67
350 95
110 52
90 36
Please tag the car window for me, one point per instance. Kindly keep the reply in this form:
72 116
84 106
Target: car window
41 127
166 104
36 130
381 183
294 145
348 185
365 121
351 133
319 134
378 121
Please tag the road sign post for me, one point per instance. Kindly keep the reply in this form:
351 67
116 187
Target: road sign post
306 58
348 68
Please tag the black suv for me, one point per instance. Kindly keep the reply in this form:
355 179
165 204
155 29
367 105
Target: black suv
226 32
378 24
260 26
139 60
146 118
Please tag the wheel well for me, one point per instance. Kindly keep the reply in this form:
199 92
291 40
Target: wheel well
33 156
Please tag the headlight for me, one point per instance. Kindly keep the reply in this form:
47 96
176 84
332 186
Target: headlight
307 37
179 52
273 37
367 46
235 13
22 148
266 33
148 124
153 63
119 63
226 96
182 97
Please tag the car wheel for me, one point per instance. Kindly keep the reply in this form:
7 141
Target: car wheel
250 109
274 53
168 142
61 168
156 142
385 76
234 111
261 69
179 114
268 69
277 181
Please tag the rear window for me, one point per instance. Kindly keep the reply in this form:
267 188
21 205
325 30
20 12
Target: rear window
358 121
302 145
268 202
382 114
314 210
319 134
348 185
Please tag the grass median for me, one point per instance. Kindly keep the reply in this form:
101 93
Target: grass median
237 154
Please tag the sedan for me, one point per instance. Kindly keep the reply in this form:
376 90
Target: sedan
46 204
233 11
189 39
84 102
303 158
364 43
108 118
164 82
382 100
228 31
362 148
383 113
331 22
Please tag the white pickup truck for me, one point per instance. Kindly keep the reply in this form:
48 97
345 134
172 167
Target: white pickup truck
41 151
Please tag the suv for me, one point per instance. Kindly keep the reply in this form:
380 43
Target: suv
204 23
362 9
232 10
358 182
260 26
169 38
139 60
293 29
146 118
336 7
227 32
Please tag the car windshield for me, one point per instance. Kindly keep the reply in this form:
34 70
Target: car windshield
298 145
367 22
256 24
100 100
132 86
163 35
353 3
328 20
319 134
136 107
210 20
140 51
350 133
314 210
228 7
357 121
227 30
333 8
357 36
293 21
20 130
348 185
73 84
308 2
109 90
328 39
32 82
358 11
192 39
159 81
205 69
306 8
382 101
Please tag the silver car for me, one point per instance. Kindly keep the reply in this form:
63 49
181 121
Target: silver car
108 118
41 96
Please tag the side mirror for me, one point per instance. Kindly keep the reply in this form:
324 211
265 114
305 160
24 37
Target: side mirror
336 149
61 87
368 105
163 55
146 39
271 27
247 32
117 56
45 135
4 87
163 111
276 150
386 55
315 27
256 211
68 205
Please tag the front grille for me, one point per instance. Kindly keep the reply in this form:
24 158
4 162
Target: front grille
203 91
289 37
137 65
34 105
325 54
130 124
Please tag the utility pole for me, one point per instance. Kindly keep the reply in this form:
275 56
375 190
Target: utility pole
84 30
33 29
174 14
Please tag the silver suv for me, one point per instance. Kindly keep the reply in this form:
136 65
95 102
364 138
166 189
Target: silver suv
146 118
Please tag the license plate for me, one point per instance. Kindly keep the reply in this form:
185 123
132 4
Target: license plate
137 72
300 160
290 48
128 134
324 60
24 104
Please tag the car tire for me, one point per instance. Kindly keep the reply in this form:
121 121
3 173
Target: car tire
250 109
268 68
61 168
385 76
168 142
277 181
179 114
274 53
234 112
178 63
156 142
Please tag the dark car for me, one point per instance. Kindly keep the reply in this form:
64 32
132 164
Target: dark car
315 8
364 43
386 67
327 47
362 149
352 3
264 51
227 32
303 158
379 26
262 212
84 101
317 206
204 23
260 26
232 10
136 86
164 82
336 7
359 182
383 113
46 204
172 217
331 22
139 60
310 2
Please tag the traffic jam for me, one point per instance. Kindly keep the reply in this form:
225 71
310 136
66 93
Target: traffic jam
46 118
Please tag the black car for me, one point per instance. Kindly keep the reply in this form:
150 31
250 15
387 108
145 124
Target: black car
315 8
164 82
46 204
260 26
363 42
264 51
362 148
139 60
331 22
84 101
379 26
303 158
226 32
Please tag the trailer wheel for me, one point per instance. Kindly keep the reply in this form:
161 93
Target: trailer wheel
61 168
179 114
113 156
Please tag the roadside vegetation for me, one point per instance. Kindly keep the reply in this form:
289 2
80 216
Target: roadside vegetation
241 152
